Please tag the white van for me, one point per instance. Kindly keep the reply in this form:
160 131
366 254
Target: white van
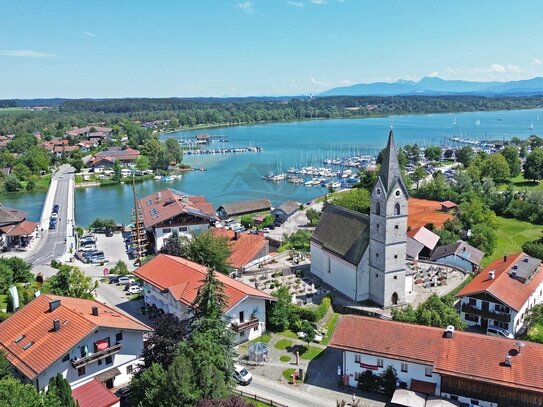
494 330
241 375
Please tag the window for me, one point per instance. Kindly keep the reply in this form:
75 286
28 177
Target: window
109 360
501 308
241 317
129 369
66 357
428 370
376 254
84 351
329 264
396 227
377 226
99 362
378 209
397 209
395 277
255 328
472 318
376 275
81 371
167 230
242 333
395 256
357 358
183 228
404 367
119 336
380 362
357 375
472 302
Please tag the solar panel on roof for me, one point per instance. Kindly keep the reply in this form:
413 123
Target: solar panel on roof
154 212
149 201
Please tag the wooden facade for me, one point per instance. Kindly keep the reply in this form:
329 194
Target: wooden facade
503 396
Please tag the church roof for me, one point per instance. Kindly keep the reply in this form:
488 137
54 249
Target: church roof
390 168
343 232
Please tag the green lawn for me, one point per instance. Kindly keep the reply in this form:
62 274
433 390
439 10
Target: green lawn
330 327
289 334
282 344
512 234
285 358
41 185
3 302
287 373
535 333
521 184
311 353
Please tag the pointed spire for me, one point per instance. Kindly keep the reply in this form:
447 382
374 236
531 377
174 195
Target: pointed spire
390 168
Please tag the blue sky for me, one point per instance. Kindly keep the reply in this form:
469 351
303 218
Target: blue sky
96 48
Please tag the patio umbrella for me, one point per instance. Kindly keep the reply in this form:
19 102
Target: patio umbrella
434 401
408 398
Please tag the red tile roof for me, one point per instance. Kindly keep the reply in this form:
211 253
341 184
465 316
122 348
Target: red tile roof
35 322
244 249
25 228
448 204
424 236
467 355
168 203
510 291
94 394
183 278
85 130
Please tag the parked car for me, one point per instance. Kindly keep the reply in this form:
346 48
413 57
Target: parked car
54 215
87 239
242 376
56 208
109 232
125 280
265 230
135 289
494 330
52 225
114 279
93 253
99 260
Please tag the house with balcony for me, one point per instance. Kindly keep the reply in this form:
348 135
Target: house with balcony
91 132
171 284
80 339
167 211
466 367
503 293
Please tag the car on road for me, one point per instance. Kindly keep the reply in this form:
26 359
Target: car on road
52 225
135 289
54 215
242 376
56 208
265 230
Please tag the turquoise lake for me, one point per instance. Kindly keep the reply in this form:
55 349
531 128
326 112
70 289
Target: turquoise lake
234 177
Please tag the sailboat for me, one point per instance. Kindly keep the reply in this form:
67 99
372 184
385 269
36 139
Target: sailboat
531 126
454 122
477 123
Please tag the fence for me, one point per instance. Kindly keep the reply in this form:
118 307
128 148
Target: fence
258 398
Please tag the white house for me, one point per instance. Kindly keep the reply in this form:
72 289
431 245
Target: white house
459 254
503 293
81 339
468 367
171 284
285 210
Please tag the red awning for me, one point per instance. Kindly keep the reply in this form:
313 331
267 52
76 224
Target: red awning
102 344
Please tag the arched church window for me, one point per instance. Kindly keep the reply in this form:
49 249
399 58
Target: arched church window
378 208
397 209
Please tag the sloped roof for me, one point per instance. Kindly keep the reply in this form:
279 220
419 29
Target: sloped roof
24 228
238 208
94 394
449 204
289 207
511 291
461 249
244 248
9 216
343 232
413 247
424 236
168 203
466 355
85 130
119 152
34 322
183 278
390 173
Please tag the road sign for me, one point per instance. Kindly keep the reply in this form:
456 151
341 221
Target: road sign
106 271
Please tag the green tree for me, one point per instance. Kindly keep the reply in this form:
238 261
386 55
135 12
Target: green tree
164 341
70 281
356 200
156 153
172 245
474 211
465 155
120 269
173 151
59 392
368 179
102 224
148 387
117 175
387 381
435 311
6 370
247 221
497 168
313 216
22 171
535 315
13 393
511 155
299 240
210 250
418 175
12 184
279 314
142 163
484 238
533 166
308 330
432 153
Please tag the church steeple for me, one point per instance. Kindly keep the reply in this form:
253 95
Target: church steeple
390 168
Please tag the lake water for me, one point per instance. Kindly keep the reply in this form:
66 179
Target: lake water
234 177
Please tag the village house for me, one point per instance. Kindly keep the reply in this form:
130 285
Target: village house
503 293
243 208
171 284
64 150
87 145
15 230
460 254
246 248
285 210
467 367
80 339
124 155
421 242
168 211
86 132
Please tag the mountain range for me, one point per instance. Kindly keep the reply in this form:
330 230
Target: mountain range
435 86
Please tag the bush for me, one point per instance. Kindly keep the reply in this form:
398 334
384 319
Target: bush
385 382
367 381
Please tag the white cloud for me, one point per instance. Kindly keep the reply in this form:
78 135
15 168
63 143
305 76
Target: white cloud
318 1
504 68
536 61
247 6
89 34
295 3
25 53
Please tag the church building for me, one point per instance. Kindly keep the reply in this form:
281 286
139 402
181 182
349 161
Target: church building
364 256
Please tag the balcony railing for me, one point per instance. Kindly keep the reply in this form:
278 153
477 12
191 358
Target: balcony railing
497 316
237 326
93 357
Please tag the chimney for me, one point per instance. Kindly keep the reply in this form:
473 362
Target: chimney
504 258
53 305
158 196
491 274
513 273
508 361
236 235
449 332
95 311
56 325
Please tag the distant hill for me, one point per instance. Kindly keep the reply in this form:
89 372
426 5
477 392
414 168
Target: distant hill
434 86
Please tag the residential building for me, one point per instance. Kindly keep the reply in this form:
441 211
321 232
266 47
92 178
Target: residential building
364 257
468 367
503 293
425 237
460 254
15 230
87 145
448 206
168 211
243 208
59 151
95 394
285 210
124 155
87 131
245 248
80 339
171 284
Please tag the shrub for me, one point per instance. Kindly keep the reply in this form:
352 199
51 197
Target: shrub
367 381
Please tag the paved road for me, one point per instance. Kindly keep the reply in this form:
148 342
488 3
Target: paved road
52 244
